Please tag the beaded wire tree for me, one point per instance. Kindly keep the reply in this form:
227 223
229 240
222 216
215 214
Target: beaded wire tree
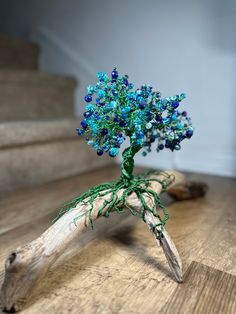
114 111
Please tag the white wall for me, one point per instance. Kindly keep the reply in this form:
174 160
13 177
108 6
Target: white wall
174 45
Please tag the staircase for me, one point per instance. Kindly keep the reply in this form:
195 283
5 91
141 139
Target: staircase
38 142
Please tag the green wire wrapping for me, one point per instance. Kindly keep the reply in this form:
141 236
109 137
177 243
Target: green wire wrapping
140 185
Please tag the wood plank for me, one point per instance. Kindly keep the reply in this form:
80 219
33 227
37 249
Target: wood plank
27 205
205 290
122 271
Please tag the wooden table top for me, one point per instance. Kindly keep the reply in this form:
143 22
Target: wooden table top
118 267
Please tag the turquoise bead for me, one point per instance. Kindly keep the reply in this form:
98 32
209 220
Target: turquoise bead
112 104
180 126
89 108
101 76
113 152
166 120
182 96
173 117
101 93
90 89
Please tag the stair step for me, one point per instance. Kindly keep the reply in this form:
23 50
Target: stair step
34 153
30 132
31 95
18 54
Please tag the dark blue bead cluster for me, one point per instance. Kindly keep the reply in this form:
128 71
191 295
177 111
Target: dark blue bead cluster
115 110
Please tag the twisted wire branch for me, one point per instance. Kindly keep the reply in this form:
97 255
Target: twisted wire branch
128 183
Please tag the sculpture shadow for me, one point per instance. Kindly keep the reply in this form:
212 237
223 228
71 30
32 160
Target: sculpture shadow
125 237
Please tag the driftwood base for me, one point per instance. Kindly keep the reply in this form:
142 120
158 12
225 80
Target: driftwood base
27 265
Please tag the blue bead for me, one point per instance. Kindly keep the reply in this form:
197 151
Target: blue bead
120 140
168 144
96 116
184 113
142 104
79 131
149 115
189 133
99 152
158 118
175 104
104 131
161 146
84 124
106 148
88 98
152 139
124 116
122 123
139 134
87 114
125 81
114 74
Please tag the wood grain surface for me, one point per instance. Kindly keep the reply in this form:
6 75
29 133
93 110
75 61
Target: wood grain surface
118 267
205 290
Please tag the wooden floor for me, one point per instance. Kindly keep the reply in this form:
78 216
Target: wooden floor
120 269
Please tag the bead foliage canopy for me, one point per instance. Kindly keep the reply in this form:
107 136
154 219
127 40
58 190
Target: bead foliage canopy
116 110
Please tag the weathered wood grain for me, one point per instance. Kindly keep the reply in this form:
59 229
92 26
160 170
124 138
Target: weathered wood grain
205 290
